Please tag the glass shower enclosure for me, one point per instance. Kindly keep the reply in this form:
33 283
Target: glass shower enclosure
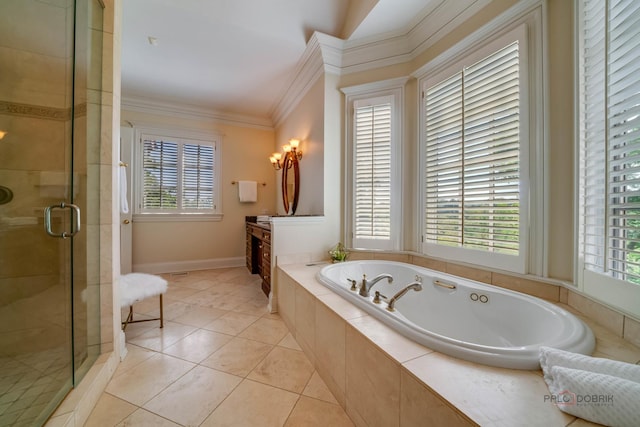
50 112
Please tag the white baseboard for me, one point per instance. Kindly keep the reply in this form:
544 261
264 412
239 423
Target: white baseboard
179 266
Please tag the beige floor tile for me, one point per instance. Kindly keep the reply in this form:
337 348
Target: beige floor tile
310 412
135 355
193 397
284 368
198 346
254 306
226 289
180 293
197 283
255 405
212 295
215 298
253 291
238 357
231 323
289 342
270 331
199 316
317 389
228 302
172 309
142 418
136 329
172 389
109 411
148 378
159 338
240 273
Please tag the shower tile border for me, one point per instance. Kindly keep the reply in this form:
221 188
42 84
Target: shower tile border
40 112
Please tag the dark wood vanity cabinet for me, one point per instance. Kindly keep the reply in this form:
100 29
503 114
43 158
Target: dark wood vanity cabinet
259 253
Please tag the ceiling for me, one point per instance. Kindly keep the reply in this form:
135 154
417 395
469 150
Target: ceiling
237 56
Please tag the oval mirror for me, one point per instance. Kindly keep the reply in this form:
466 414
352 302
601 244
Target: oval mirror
290 184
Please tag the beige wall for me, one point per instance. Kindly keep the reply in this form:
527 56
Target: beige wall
306 122
245 156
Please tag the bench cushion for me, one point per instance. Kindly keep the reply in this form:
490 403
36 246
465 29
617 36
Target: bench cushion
138 286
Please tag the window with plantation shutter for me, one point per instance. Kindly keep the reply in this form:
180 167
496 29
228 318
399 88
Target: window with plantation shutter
372 170
609 156
160 171
473 168
374 192
197 176
177 176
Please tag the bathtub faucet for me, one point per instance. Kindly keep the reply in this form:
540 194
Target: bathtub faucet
416 286
367 285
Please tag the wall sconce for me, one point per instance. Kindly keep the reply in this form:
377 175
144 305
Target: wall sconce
291 152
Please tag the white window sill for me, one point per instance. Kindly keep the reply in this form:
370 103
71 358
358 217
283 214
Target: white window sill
182 217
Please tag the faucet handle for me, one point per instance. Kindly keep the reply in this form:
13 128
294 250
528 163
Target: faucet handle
354 286
378 296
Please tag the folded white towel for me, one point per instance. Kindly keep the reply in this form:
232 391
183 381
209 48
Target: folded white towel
248 191
550 357
600 398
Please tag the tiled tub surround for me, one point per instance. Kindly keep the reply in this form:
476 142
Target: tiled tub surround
383 379
500 327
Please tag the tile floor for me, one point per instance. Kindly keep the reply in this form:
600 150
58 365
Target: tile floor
220 360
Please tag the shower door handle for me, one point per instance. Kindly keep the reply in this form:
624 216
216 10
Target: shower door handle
75 225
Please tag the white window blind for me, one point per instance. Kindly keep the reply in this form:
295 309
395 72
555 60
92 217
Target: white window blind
610 139
178 175
197 176
160 170
472 164
372 152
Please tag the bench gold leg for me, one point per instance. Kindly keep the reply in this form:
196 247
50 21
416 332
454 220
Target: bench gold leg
130 316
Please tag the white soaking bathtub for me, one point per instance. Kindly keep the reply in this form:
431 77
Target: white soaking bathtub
463 318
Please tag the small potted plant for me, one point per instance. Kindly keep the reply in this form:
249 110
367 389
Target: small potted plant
338 253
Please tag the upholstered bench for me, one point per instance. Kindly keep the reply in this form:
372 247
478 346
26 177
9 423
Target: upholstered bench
135 287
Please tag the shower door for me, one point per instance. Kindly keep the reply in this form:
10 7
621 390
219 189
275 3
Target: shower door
49 204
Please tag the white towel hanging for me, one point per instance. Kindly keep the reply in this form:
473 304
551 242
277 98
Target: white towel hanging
248 191
124 203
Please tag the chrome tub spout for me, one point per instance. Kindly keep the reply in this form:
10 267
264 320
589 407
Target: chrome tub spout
366 285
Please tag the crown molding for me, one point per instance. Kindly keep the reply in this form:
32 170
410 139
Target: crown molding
327 54
516 14
441 21
404 46
322 54
147 105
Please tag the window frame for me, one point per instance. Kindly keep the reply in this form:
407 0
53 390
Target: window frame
616 292
393 90
179 215
533 213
